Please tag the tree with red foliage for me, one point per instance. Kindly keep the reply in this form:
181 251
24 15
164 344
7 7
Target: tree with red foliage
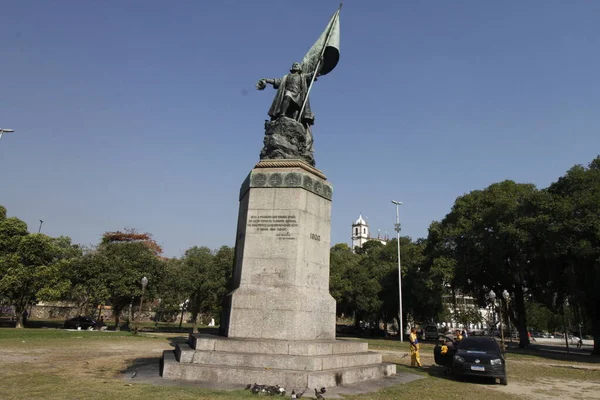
132 236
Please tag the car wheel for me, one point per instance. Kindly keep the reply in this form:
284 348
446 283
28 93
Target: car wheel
504 381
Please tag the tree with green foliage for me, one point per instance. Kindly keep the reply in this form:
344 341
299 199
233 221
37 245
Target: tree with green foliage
117 267
35 271
541 318
174 289
220 278
355 281
365 283
209 273
421 288
488 235
33 267
88 277
575 263
12 230
342 261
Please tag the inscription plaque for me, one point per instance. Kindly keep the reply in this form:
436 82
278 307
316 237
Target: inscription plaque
282 225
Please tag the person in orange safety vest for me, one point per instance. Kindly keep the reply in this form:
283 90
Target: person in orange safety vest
415 358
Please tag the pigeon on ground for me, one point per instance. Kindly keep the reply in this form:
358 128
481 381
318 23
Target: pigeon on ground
293 395
275 390
256 389
323 389
134 374
299 394
318 395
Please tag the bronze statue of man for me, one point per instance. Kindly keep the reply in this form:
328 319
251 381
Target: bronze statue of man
292 90
288 135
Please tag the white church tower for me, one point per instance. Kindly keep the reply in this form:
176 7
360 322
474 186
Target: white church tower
360 232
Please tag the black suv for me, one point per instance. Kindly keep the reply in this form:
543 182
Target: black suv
473 356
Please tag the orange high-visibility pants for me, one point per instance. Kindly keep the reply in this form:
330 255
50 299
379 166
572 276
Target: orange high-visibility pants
415 358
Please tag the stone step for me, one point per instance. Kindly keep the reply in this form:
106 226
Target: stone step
265 346
171 369
346 376
185 353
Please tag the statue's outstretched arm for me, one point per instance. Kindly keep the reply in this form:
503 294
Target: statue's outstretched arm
263 83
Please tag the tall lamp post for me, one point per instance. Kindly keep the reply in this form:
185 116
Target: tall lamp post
144 282
492 296
40 228
183 308
397 229
506 296
5 130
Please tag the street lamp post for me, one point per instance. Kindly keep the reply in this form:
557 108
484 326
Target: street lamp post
397 229
183 308
492 296
5 130
506 296
144 282
40 228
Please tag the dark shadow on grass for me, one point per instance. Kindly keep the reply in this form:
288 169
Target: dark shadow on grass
175 340
147 370
137 364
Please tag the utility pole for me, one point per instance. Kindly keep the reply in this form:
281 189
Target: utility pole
397 229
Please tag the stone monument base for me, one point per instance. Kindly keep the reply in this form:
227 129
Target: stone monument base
290 364
278 323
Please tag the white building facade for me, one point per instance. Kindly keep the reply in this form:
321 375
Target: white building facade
361 235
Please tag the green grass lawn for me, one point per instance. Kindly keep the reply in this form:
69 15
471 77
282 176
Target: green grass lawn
60 364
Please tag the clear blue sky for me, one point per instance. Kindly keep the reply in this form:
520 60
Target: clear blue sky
144 114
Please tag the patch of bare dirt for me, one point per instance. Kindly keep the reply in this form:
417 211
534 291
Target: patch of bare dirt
82 357
536 389
543 388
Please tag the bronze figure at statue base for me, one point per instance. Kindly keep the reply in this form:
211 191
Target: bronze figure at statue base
287 139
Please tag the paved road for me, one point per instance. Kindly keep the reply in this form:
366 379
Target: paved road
558 346
587 344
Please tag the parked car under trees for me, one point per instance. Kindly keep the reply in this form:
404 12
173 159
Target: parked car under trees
472 356
80 322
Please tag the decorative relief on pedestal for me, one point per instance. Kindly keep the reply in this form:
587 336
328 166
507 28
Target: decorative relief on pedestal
307 183
318 188
293 179
287 180
259 179
275 179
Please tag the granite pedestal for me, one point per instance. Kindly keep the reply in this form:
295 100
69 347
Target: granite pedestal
279 321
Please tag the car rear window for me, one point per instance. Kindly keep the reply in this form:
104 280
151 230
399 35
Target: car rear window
487 345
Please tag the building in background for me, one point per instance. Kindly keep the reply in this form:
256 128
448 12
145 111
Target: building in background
361 234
